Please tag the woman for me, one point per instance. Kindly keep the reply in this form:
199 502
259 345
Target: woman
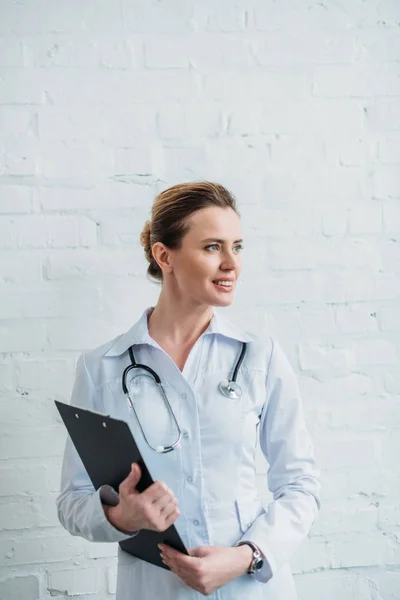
207 485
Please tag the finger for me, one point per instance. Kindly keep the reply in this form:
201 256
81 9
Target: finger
171 518
156 492
168 506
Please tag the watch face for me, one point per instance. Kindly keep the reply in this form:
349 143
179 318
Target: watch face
258 563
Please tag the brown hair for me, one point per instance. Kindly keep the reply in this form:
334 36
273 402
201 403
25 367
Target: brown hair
170 211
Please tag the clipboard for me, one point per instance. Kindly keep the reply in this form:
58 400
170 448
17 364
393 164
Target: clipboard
107 450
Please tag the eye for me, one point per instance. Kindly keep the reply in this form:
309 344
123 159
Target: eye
237 247
211 246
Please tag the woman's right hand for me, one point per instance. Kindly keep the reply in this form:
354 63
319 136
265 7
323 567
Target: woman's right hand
155 508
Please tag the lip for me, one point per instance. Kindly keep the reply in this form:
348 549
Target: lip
224 279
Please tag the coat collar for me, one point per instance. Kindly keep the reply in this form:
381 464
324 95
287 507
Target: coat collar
139 333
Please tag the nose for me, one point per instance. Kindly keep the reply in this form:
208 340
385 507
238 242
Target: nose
229 260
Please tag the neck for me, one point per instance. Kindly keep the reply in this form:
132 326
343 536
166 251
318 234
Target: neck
178 323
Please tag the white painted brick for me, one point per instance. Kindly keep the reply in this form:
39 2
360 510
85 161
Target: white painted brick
348 152
15 199
355 453
356 318
389 318
112 196
50 303
97 124
391 216
375 352
15 337
383 114
387 583
104 262
386 182
47 232
389 148
170 54
21 586
176 17
391 255
250 86
26 513
313 555
360 551
16 121
179 122
74 581
316 357
365 218
21 157
79 333
53 373
36 550
17 443
392 382
60 160
332 584
333 520
21 87
24 266
11 52
31 479
357 81
296 152
79 50
223 16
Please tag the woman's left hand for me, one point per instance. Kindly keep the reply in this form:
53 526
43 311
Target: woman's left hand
208 567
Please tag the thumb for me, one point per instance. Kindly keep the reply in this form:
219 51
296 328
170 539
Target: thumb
135 474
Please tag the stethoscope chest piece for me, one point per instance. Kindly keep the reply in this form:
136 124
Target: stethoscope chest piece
230 389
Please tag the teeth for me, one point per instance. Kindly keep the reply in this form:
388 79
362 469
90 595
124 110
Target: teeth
224 283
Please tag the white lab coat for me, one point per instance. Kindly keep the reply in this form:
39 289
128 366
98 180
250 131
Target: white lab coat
212 473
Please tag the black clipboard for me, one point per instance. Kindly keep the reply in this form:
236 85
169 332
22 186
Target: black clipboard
107 450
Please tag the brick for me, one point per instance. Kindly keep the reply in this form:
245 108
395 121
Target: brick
29 480
23 87
170 54
349 151
112 196
357 81
74 581
73 160
108 262
40 549
23 266
365 218
111 580
79 334
158 18
311 556
356 318
11 52
221 17
125 228
18 443
192 120
27 513
391 216
360 551
50 303
382 114
20 158
48 232
316 357
16 121
81 51
16 337
22 586
254 86
389 149
391 257
15 199
386 183
374 352
97 124
339 452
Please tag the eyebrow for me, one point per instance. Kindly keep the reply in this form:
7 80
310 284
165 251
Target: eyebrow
219 241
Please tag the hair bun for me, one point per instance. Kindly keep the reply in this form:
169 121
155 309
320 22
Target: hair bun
145 240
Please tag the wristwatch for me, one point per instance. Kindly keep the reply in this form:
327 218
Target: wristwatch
257 562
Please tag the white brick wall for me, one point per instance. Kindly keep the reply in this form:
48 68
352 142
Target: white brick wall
296 107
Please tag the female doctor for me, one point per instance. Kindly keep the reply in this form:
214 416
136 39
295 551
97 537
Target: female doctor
206 484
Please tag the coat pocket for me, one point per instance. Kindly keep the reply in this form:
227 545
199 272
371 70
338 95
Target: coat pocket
247 512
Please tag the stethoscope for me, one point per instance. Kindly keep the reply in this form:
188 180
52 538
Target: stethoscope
229 387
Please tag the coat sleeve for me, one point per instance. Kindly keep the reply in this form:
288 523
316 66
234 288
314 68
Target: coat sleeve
79 505
292 475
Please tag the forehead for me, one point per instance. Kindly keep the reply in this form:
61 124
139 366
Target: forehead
214 221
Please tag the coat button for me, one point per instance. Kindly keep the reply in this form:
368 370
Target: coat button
186 435
183 396
196 522
189 479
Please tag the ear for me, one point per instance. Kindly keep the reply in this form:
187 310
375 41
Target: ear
162 256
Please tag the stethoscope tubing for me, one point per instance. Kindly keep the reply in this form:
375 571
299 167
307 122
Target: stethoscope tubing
228 387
